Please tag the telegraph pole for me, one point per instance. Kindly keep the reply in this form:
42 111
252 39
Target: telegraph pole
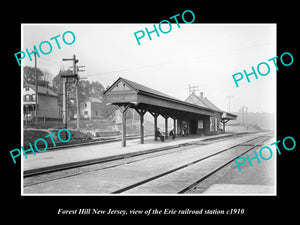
36 90
64 102
192 89
77 106
77 99
229 102
244 114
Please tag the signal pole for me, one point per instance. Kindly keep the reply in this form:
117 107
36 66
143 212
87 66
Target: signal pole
65 79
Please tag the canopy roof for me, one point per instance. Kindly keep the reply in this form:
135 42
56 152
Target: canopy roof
123 92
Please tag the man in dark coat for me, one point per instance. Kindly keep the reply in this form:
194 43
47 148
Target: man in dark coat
172 134
158 134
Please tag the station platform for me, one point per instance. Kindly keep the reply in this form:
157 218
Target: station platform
104 152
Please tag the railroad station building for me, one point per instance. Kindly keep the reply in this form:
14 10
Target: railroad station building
197 115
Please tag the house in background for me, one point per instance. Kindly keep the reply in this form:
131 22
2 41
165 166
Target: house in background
91 109
47 103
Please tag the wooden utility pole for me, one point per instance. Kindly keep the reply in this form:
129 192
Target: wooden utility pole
64 102
77 107
36 91
192 89
77 99
229 102
244 114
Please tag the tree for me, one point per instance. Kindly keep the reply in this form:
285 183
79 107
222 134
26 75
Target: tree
58 87
47 77
86 90
108 110
44 78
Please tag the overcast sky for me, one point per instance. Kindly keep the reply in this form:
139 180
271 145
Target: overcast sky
204 55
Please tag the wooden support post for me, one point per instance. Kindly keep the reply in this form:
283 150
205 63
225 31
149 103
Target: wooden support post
155 128
124 128
123 110
224 121
187 128
179 126
155 115
142 128
174 127
141 112
166 127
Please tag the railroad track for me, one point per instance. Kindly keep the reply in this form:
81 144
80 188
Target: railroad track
180 177
173 171
67 166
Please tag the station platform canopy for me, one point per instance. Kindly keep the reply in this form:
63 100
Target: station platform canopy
128 94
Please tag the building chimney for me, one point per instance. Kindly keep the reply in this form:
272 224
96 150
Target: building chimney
201 94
